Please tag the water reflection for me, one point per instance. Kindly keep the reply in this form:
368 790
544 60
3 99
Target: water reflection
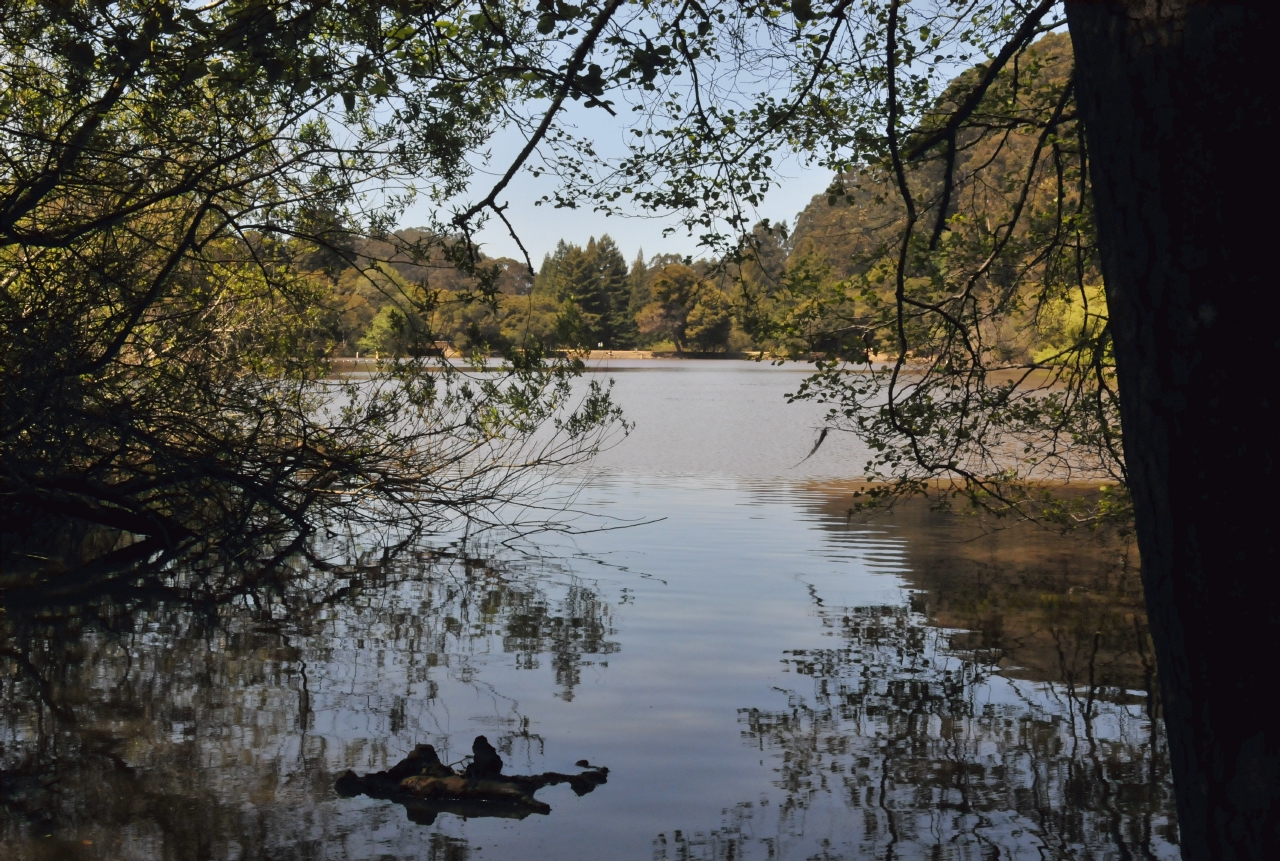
785 683
175 730
1007 710
931 751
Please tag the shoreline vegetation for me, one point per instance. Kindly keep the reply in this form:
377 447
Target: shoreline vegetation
166 383
348 364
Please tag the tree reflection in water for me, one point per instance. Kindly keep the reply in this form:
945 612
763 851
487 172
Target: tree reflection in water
1004 708
179 729
1011 710
932 753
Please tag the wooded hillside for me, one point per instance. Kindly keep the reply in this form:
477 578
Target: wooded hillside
821 287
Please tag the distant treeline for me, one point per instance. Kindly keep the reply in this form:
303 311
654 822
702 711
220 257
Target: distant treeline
392 297
823 287
583 297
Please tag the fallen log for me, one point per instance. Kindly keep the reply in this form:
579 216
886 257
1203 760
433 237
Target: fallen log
427 787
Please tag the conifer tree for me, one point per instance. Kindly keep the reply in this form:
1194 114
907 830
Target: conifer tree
594 289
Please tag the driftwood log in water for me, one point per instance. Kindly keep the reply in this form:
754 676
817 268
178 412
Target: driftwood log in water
426 786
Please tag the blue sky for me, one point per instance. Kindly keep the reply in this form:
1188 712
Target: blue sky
541 227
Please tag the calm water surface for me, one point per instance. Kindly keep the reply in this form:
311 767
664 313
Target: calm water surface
764 676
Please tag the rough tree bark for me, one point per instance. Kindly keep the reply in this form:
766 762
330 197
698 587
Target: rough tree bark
1179 102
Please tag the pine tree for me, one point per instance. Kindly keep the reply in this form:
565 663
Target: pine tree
594 289
618 327
638 286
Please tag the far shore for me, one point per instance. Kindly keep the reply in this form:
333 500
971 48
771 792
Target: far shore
601 355
595 355
352 362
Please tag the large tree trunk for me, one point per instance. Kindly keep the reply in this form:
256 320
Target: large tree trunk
1179 104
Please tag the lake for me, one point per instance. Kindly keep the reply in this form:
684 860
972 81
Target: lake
764 674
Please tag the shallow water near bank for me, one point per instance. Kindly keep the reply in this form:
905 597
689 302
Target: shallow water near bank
764 675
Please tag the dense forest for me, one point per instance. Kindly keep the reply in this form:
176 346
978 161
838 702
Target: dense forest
584 296
819 287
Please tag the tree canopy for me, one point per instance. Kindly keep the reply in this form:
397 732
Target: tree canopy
179 180
174 180
196 218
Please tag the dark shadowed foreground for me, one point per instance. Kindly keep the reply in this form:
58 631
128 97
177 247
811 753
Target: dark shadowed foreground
763 677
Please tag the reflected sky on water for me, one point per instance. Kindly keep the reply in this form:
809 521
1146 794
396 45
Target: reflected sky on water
764 676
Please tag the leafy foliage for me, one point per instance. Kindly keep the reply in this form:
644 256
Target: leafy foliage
951 289
195 214
974 268
173 178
